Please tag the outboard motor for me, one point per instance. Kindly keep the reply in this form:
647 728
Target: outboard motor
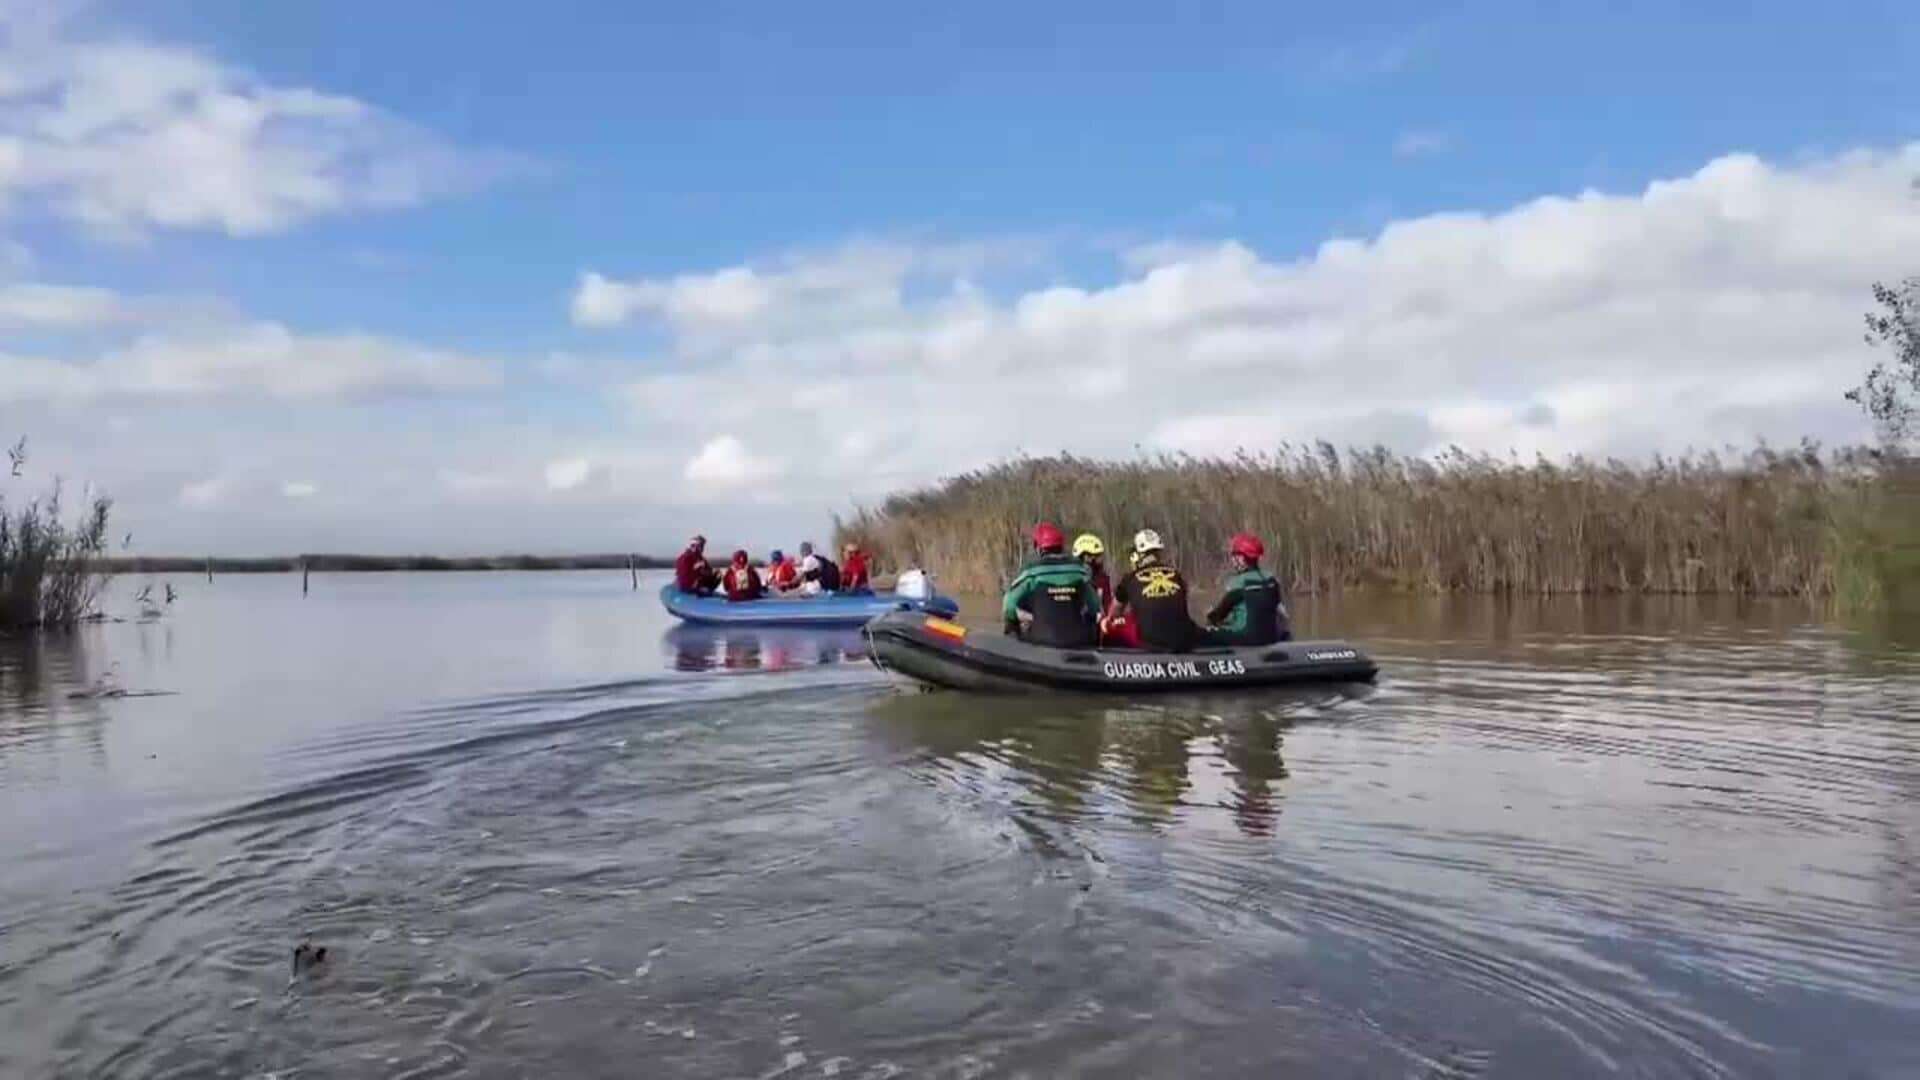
914 584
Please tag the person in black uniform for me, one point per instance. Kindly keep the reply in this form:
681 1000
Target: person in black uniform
1154 596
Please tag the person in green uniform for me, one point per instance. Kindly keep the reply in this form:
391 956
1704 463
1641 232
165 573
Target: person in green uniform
1055 591
1250 612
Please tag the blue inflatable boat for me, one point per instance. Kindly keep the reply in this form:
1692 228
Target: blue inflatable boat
837 609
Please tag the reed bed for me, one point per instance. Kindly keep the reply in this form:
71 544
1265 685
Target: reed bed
48 575
1753 522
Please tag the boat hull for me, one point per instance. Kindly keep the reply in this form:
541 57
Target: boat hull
837 610
939 653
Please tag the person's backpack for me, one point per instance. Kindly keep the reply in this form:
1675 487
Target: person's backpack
829 574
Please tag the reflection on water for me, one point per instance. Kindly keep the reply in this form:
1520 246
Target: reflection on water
1148 762
51 714
698 647
543 831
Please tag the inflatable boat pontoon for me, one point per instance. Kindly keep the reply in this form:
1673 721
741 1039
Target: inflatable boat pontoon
837 609
939 652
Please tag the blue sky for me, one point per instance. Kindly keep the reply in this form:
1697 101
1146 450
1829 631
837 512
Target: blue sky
892 182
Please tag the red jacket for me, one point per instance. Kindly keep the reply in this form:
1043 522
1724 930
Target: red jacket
692 572
743 583
853 573
783 575
1104 586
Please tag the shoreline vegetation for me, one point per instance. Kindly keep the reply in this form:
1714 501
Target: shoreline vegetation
340 563
46 561
1841 525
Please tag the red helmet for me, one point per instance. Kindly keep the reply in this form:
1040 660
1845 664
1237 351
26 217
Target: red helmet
1247 546
1048 537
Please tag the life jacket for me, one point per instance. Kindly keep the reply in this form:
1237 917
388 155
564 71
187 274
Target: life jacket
742 583
782 574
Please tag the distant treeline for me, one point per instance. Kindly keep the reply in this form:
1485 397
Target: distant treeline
1760 522
353 563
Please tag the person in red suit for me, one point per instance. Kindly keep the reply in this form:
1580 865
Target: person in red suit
691 571
853 571
741 580
782 575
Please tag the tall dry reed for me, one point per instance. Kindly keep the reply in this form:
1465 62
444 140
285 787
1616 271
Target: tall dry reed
49 568
1755 522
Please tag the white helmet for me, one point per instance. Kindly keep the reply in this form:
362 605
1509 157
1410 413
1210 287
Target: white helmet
1147 540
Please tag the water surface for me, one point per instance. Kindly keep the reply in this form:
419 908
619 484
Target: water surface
543 832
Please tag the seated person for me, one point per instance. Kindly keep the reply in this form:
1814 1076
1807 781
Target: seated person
741 580
1091 552
1114 632
818 574
1056 593
782 576
853 571
1250 613
1152 597
691 571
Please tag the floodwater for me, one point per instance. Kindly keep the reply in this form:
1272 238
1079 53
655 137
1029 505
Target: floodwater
543 833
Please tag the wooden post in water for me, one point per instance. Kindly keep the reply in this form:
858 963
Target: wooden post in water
304 569
209 569
635 572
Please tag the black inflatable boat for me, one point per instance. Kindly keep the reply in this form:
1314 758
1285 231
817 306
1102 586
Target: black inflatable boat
940 652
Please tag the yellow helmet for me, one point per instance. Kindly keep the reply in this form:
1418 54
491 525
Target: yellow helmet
1088 544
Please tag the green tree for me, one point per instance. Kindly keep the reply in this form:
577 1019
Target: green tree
1891 393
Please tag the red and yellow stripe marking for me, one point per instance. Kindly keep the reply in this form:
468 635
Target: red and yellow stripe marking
945 627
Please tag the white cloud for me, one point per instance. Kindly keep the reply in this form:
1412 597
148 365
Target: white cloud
1714 307
298 489
725 462
856 285
1413 144
181 348
569 474
1353 61
204 492
125 135
29 305
267 359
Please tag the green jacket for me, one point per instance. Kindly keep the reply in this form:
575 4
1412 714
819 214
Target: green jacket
1231 612
1049 571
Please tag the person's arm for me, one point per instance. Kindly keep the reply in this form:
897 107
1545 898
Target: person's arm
1010 602
1219 612
1016 595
